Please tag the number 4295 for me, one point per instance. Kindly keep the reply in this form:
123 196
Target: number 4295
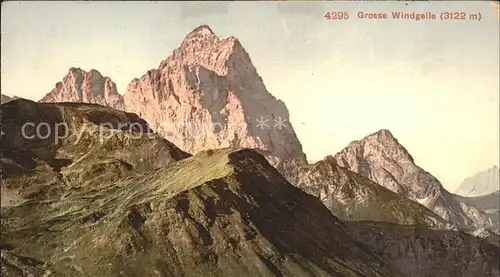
337 15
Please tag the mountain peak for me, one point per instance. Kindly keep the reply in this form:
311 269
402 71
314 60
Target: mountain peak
382 159
211 84
202 30
202 48
480 184
92 71
198 35
383 134
382 142
75 69
89 87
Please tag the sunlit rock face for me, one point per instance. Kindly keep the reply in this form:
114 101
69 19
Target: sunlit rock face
208 94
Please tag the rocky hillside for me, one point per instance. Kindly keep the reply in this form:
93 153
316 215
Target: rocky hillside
482 183
86 87
206 95
82 207
100 201
489 204
422 252
58 135
382 159
352 197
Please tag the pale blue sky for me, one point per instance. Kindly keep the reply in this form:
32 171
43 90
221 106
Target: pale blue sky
434 84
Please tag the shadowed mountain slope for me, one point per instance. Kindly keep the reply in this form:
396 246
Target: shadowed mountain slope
353 197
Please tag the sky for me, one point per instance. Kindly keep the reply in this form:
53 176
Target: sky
434 84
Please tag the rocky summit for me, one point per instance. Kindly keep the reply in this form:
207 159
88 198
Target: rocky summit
382 159
86 87
56 135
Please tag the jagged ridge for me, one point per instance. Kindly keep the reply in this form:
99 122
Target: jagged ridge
87 87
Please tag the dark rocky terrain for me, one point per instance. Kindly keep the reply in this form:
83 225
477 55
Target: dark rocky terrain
420 252
4 98
219 213
87 208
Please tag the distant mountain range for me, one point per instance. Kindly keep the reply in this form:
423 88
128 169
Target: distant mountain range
201 173
482 183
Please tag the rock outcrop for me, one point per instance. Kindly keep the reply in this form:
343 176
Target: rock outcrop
382 159
86 87
482 183
352 197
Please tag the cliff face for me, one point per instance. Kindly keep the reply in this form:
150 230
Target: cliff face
87 87
382 159
208 94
